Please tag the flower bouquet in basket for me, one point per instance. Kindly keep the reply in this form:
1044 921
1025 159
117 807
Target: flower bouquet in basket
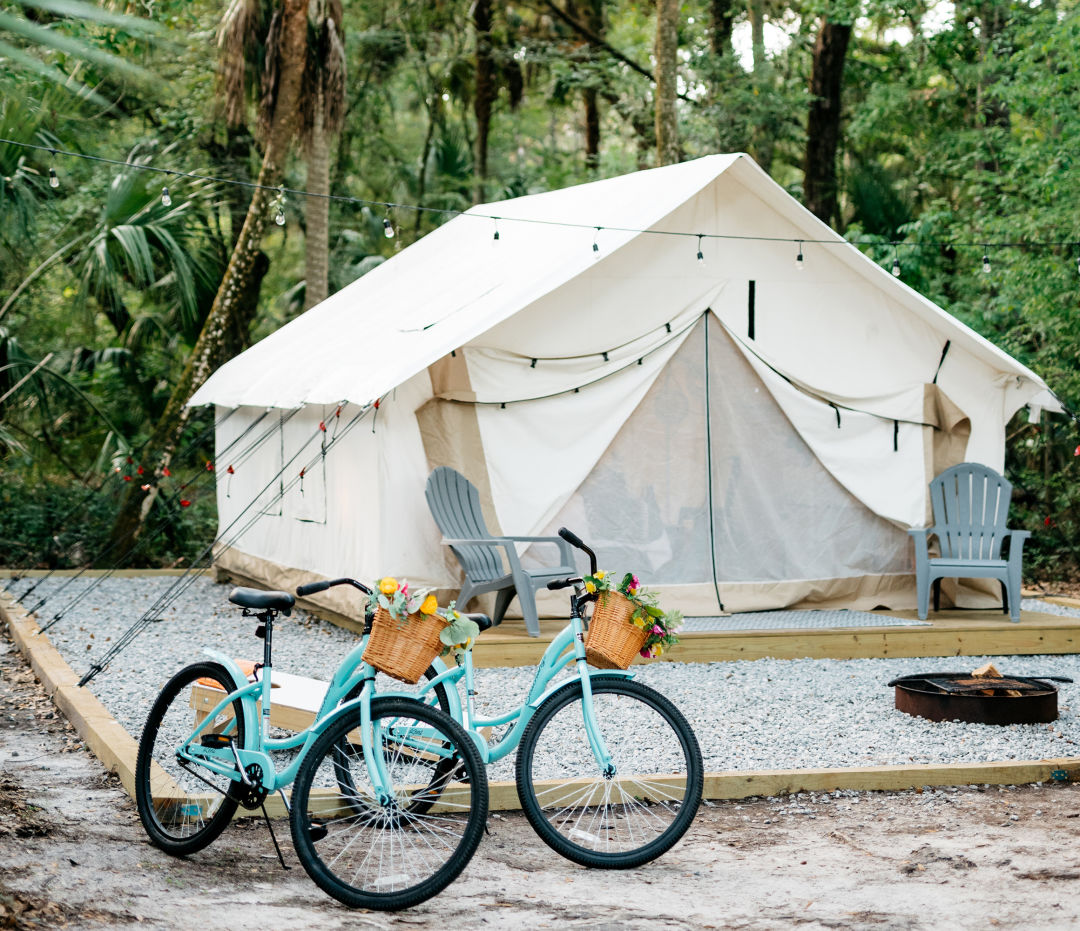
628 621
408 630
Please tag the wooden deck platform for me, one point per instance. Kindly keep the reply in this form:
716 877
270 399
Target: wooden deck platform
952 633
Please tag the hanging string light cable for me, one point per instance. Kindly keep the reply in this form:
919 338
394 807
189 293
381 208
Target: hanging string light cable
388 206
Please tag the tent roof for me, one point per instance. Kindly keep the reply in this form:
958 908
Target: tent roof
458 281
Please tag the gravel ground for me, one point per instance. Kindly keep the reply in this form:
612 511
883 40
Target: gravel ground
748 715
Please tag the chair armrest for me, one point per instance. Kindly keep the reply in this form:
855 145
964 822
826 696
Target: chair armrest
1016 540
565 548
921 537
507 543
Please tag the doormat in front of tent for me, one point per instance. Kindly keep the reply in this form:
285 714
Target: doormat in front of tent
795 620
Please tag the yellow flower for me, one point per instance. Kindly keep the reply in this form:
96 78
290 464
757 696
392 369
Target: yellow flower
639 621
600 574
388 585
589 587
657 650
430 605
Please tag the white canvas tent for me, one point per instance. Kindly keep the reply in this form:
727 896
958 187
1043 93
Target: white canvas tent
738 430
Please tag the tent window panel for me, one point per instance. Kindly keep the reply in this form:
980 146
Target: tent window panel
272 458
779 513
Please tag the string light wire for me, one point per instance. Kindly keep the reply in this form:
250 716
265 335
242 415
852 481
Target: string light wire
566 224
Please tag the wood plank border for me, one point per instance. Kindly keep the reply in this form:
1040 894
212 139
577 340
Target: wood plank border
116 748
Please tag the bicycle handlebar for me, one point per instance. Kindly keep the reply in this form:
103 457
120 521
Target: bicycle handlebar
312 587
574 540
556 584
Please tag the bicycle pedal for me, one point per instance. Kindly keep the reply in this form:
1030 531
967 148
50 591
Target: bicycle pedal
316 831
216 741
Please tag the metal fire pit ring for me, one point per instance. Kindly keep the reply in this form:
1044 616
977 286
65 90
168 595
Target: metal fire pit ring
959 696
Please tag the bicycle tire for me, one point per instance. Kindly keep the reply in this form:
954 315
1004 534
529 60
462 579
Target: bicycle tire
180 812
624 818
394 853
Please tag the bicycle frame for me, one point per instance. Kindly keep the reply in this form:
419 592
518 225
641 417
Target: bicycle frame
351 672
256 701
567 647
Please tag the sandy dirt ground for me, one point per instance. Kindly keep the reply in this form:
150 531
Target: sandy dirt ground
72 854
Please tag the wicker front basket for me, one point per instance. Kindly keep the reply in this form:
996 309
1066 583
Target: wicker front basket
403 652
613 640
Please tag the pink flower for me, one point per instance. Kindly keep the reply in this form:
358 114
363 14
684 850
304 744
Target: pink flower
634 583
405 588
658 630
647 653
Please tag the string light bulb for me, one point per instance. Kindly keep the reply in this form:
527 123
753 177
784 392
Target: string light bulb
986 262
596 244
387 228
166 197
495 238
279 214
895 262
799 265
700 254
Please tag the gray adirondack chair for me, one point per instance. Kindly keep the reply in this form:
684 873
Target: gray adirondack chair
491 563
970 505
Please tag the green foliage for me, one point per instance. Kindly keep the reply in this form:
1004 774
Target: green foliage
966 133
65 525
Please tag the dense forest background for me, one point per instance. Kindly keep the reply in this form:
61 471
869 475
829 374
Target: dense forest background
942 137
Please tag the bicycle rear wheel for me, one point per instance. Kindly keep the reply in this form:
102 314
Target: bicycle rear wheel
183 806
389 851
634 812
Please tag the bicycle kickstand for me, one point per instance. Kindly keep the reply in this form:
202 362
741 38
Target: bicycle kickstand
273 837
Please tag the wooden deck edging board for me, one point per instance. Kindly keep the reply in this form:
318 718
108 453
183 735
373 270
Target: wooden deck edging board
116 749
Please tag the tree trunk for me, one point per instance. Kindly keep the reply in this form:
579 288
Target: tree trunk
594 20
317 212
237 152
485 91
666 53
756 9
823 120
720 15
234 291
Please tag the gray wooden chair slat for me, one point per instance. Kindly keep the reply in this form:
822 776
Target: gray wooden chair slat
490 563
970 504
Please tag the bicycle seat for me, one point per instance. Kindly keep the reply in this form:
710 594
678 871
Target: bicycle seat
482 621
262 601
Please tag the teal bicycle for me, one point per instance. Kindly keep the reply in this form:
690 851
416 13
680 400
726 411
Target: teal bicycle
392 792
608 771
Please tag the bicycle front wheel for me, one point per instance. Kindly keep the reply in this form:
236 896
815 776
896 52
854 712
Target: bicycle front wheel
631 813
184 806
393 840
